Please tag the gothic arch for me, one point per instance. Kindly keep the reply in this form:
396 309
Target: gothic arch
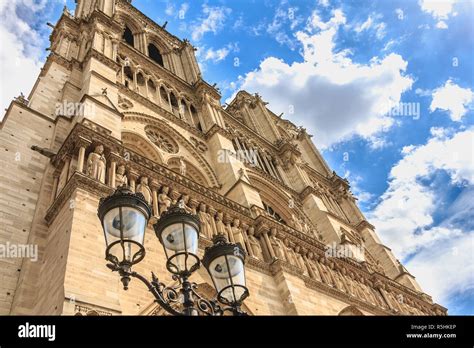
140 145
273 196
126 20
200 161
351 310
159 43
191 172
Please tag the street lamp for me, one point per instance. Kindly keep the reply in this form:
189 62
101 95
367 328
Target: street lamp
124 216
225 264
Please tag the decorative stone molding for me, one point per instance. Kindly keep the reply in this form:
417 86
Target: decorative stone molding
300 243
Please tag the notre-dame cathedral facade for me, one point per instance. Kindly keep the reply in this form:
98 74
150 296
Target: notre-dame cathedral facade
120 100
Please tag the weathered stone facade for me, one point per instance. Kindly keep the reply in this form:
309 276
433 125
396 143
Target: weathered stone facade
245 171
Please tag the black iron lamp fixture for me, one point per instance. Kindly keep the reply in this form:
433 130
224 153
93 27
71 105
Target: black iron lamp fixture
124 216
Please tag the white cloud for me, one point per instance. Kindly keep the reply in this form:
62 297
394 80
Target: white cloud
183 9
372 24
441 10
281 17
441 256
324 3
405 214
447 269
441 25
400 14
22 44
169 9
453 99
315 87
213 20
216 55
423 92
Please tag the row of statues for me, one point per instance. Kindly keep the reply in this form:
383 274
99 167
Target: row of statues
264 248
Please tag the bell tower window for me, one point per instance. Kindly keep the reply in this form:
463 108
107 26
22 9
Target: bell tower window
155 55
128 36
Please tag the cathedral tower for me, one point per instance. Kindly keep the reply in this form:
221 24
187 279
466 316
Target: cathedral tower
120 100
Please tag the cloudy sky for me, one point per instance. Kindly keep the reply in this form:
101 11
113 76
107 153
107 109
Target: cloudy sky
385 87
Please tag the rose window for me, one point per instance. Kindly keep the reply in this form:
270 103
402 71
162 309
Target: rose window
164 142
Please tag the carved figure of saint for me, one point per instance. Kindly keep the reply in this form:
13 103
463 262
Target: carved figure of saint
120 177
296 223
164 201
96 164
144 189
254 244
300 261
237 233
182 166
290 253
276 245
220 224
205 218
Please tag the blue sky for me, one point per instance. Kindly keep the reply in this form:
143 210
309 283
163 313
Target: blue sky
342 70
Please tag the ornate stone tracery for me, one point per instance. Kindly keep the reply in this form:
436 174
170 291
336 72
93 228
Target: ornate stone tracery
162 141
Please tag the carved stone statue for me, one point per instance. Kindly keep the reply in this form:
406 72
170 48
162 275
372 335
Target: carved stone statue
296 223
325 271
206 227
144 189
164 201
312 268
182 166
300 261
290 253
96 164
237 233
276 245
120 177
306 229
220 223
337 276
254 244
186 205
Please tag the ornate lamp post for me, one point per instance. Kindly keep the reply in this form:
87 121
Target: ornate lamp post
124 216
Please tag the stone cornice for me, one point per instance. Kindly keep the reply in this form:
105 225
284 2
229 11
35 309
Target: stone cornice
93 53
77 180
217 129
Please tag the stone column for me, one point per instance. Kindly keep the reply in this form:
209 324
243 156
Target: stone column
56 175
246 239
113 158
132 178
212 212
269 245
155 186
82 144
67 165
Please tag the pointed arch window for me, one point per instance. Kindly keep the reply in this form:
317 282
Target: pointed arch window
164 97
273 213
174 104
128 36
140 79
195 117
155 54
128 76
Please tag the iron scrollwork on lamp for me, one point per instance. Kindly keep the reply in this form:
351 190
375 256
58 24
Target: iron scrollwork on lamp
124 216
